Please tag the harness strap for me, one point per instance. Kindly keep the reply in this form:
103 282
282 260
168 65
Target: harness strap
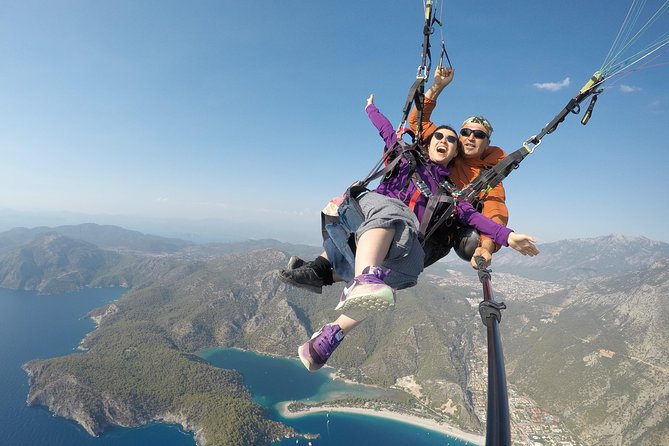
445 193
411 160
384 168
573 106
421 186
388 166
416 92
432 203
415 96
414 197
490 178
444 53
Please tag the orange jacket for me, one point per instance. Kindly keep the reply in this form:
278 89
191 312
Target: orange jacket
465 170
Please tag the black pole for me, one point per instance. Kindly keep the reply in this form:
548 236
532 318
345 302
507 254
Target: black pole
498 429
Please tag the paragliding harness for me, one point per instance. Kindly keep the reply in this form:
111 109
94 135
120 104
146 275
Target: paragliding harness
339 226
440 203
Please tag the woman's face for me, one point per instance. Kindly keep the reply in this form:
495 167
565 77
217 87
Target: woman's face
443 146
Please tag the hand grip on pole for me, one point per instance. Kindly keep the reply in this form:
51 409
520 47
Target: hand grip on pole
484 273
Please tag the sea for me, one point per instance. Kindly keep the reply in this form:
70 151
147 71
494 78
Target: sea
36 326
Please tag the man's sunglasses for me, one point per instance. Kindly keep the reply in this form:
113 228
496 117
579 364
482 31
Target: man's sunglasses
478 134
450 138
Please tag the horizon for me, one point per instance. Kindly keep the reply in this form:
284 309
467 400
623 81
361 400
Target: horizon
205 238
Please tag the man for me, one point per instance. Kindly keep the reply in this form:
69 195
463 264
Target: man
477 154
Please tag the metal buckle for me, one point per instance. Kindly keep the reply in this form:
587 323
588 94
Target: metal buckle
527 143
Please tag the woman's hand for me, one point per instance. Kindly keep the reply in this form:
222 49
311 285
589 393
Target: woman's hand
523 243
370 100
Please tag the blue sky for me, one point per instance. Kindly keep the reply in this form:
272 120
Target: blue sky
241 119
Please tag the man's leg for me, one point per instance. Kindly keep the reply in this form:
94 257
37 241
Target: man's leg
311 275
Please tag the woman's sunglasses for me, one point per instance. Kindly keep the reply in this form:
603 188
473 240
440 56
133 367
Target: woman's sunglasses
478 134
450 138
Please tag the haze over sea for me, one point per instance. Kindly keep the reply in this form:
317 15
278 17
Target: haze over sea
36 327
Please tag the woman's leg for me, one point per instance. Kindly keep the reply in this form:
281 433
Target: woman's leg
316 351
372 248
368 291
346 323
364 293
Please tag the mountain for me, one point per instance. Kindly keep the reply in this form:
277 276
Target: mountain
53 263
578 259
103 236
597 356
219 249
67 258
587 349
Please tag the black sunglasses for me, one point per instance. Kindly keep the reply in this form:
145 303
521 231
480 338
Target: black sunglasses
478 134
450 138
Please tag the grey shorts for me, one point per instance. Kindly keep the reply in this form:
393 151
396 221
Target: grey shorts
405 257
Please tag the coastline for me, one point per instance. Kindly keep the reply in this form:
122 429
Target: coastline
425 423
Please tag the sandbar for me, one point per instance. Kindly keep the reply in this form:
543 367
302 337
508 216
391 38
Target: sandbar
425 423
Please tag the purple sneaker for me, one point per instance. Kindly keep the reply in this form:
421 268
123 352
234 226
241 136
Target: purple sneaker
315 352
368 291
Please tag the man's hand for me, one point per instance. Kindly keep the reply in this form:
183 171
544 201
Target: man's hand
443 76
370 100
482 252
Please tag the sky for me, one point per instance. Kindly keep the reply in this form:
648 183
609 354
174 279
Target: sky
235 119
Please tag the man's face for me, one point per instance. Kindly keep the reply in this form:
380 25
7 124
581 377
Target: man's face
476 141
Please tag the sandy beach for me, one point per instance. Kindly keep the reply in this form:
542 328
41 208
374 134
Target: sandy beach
383 413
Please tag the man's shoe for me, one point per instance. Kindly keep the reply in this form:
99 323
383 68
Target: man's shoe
295 262
367 291
302 275
315 352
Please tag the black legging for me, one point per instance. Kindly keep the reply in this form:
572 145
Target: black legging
464 240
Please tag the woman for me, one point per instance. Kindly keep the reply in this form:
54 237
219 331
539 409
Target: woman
386 223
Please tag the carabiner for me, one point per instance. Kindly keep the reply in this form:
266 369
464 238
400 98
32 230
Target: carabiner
535 143
422 72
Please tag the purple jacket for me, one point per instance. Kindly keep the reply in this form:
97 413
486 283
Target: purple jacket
395 186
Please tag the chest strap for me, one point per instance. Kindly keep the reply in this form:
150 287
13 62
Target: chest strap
442 202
